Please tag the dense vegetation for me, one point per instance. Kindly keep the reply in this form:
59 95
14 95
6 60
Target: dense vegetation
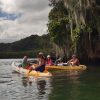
29 46
74 26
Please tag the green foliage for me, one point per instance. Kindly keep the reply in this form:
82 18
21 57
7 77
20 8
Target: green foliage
58 31
58 25
76 42
75 35
83 20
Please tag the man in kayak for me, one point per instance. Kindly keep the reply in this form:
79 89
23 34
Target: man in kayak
40 65
74 61
25 62
59 62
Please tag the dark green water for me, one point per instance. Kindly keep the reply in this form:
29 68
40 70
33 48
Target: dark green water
64 85
76 85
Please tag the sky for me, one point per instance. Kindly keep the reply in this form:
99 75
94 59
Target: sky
22 18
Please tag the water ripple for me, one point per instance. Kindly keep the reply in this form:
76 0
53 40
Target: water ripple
14 86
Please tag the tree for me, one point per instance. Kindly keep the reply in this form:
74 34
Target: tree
58 26
84 22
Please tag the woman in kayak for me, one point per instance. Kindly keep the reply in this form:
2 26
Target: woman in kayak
74 61
41 64
49 61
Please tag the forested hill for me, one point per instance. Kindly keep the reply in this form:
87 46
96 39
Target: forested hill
30 43
27 46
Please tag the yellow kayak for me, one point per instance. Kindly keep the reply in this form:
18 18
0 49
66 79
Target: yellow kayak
80 67
32 73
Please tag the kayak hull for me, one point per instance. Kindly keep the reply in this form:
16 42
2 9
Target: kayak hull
32 73
80 67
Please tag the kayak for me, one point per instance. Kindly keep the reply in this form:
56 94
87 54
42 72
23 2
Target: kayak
80 67
32 73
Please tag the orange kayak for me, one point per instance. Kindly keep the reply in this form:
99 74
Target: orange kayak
80 67
32 73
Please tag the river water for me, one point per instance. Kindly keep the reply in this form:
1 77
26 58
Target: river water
63 85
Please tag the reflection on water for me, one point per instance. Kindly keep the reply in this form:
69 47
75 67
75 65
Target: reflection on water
14 86
76 85
24 81
41 86
65 86
74 79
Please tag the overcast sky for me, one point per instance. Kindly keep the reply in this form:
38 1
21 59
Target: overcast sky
22 18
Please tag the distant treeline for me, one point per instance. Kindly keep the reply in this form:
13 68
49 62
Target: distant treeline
15 54
29 46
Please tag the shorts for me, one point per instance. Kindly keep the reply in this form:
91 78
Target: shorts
40 68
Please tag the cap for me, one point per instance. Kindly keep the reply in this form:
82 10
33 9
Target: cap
48 56
40 53
25 56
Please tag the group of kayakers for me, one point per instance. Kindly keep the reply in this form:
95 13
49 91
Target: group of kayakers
43 61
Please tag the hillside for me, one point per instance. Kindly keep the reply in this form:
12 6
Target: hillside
28 46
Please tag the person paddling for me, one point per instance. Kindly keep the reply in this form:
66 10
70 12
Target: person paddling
74 61
25 61
40 65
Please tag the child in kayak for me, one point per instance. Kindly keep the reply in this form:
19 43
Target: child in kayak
41 64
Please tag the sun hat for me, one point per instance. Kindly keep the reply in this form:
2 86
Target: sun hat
40 53
48 56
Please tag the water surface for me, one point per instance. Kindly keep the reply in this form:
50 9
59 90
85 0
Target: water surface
63 85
